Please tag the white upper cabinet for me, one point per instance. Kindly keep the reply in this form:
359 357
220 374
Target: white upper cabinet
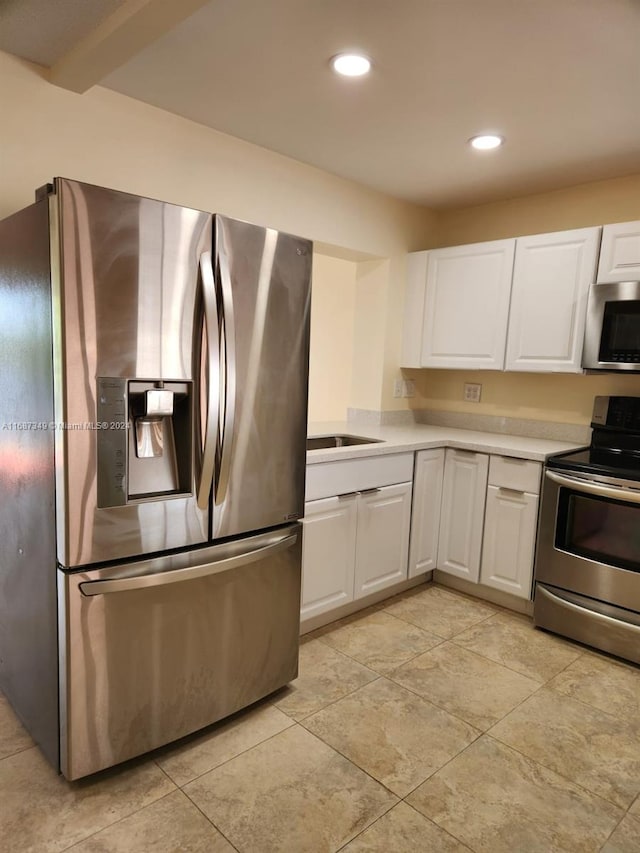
551 278
466 306
620 253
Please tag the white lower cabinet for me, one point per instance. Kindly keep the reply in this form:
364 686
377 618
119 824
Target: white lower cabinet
355 542
509 540
329 545
382 541
462 516
425 520
510 525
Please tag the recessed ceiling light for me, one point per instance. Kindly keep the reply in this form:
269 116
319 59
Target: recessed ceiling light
486 141
351 64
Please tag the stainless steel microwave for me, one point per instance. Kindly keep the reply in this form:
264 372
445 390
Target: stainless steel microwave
612 333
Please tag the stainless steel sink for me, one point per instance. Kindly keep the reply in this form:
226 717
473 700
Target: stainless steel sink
323 442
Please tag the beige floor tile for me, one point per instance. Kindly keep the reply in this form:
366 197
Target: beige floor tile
439 611
291 793
626 838
381 641
404 830
466 684
392 734
41 812
325 675
635 808
603 683
597 750
497 801
169 825
201 753
13 736
514 642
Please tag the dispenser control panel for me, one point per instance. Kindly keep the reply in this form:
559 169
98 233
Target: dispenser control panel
112 437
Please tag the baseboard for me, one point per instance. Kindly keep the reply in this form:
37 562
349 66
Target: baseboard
487 593
323 619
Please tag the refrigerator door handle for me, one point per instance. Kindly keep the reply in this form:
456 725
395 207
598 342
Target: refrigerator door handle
230 366
213 379
103 587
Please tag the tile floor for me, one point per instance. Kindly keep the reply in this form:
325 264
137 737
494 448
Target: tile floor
432 722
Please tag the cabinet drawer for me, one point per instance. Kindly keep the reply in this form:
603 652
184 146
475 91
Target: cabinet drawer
508 472
354 475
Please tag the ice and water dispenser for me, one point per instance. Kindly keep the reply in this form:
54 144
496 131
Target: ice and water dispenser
144 440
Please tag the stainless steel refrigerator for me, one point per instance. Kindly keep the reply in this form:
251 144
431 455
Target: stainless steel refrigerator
153 399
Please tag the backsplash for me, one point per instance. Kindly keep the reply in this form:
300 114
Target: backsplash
505 425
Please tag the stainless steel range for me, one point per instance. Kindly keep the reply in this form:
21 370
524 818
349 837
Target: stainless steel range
587 570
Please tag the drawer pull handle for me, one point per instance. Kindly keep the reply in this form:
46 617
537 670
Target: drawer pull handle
346 495
369 491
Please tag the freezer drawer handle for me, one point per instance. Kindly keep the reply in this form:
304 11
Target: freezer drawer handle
614 492
187 574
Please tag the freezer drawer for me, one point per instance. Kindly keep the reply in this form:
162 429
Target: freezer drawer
154 650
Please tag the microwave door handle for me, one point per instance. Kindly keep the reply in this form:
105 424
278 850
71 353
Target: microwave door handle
592 488
102 587
230 367
213 379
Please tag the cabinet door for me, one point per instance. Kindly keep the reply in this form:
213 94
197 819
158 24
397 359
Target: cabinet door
620 252
463 497
382 545
551 279
328 554
467 306
509 540
425 515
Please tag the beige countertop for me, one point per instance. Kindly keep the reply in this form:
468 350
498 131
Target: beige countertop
398 439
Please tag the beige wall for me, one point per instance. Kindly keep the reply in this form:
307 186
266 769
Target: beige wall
561 398
555 397
615 200
333 314
105 138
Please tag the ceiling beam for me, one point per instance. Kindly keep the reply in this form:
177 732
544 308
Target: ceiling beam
134 25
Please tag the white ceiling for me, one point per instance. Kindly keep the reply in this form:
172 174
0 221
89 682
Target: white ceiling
559 78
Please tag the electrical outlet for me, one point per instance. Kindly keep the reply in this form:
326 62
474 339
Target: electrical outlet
397 388
408 388
472 392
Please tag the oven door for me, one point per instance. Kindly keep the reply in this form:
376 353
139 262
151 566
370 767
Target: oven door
588 562
589 538
612 334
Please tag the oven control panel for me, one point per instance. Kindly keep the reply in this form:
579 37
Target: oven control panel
619 413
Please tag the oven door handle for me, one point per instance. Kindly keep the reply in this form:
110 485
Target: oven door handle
591 488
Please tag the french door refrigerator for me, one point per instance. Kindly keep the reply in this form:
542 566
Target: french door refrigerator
153 379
